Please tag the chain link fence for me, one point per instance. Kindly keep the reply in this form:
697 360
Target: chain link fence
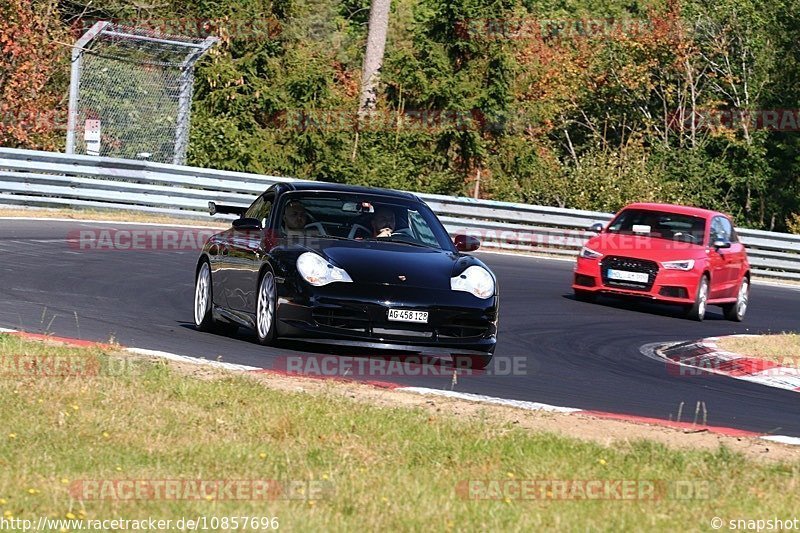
131 93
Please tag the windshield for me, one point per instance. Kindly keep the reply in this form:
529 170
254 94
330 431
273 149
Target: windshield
360 217
659 225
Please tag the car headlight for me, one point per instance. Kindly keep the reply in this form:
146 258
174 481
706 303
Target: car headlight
475 280
588 253
318 272
685 265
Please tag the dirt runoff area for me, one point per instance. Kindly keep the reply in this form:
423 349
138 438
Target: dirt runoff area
607 432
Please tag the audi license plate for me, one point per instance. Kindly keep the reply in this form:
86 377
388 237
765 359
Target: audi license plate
624 275
405 315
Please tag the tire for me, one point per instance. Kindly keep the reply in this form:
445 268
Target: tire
585 296
203 319
474 362
697 311
203 300
736 311
265 309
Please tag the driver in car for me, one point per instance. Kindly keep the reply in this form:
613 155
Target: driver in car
383 222
295 220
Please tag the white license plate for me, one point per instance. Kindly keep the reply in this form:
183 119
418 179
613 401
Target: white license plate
405 315
624 275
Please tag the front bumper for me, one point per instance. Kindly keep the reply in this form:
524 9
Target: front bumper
670 286
346 313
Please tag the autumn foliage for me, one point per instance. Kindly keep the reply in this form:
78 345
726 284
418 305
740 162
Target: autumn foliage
33 61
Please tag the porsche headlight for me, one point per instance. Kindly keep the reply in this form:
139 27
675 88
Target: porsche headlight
588 253
318 272
685 265
475 280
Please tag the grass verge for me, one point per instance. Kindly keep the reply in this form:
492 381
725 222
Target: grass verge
781 348
112 417
113 215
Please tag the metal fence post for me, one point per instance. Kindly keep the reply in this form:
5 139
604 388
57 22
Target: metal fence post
183 121
75 81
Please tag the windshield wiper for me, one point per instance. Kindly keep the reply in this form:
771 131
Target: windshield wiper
410 243
336 237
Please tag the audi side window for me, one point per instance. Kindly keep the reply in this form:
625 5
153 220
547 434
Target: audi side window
717 229
725 227
712 234
729 233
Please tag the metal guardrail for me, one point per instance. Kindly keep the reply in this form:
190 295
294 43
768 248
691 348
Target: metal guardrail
50 179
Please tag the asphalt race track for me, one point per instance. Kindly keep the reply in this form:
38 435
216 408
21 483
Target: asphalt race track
572 354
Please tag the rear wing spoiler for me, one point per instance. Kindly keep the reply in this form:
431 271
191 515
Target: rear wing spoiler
214 208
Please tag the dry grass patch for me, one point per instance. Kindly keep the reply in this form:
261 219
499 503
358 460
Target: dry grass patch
783 348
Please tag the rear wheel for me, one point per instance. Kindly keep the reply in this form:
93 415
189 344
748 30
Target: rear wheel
203 300
736 311
265 311
698 310
585 296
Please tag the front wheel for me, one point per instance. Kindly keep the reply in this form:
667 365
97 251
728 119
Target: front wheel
265 311
698 310
736 311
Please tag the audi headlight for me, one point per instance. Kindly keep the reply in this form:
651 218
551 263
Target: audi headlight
588 253
475 280
318 272
685 265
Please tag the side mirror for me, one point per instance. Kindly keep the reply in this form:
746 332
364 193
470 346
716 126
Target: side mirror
721 242
466 243
597 227
247 224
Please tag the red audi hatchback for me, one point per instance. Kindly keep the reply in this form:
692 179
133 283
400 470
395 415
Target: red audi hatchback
670 253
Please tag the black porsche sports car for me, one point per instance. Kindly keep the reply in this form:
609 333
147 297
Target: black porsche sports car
348 265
